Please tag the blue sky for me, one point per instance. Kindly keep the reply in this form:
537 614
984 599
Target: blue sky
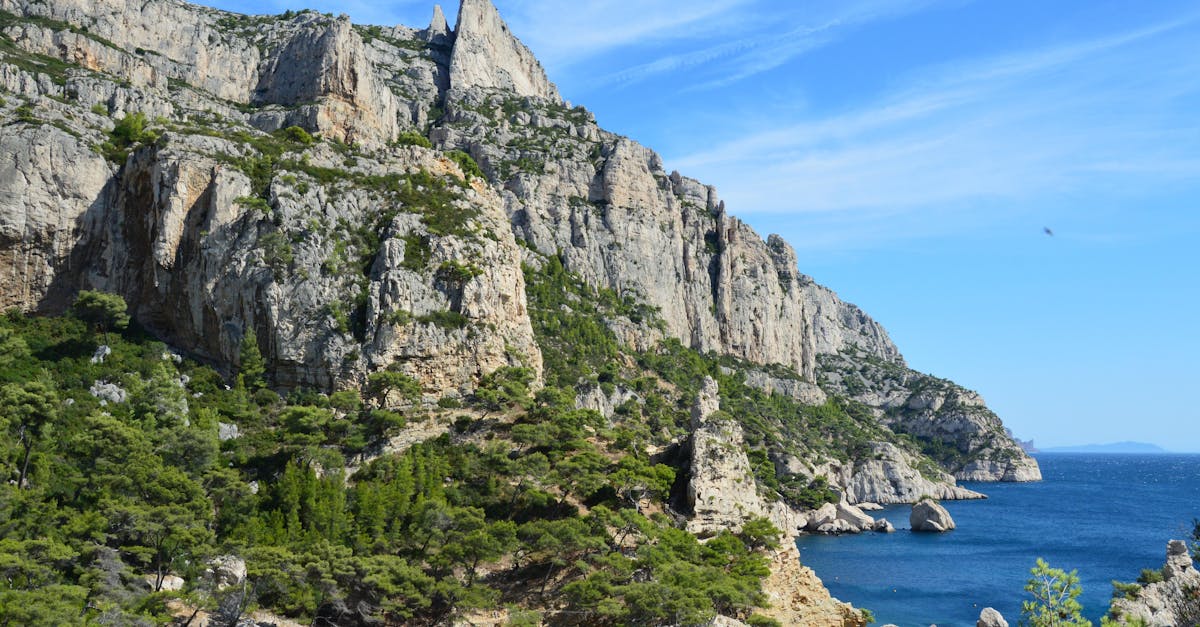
913 151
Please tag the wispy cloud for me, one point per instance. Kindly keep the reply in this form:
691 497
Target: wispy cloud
1031 123
753 36
563 35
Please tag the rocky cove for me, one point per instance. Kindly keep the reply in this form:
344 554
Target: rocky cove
414 232
947 579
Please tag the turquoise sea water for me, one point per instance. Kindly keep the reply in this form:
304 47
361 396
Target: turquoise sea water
1108 516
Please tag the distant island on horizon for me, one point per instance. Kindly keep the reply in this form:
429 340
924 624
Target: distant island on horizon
1116 447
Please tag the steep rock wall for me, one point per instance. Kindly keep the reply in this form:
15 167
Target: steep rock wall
618 220
603 202
486 54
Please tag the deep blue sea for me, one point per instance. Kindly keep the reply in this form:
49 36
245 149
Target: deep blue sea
1108 516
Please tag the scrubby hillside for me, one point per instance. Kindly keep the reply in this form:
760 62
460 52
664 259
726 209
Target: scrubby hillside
410 337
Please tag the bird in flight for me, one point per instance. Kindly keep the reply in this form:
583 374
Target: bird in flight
1048 231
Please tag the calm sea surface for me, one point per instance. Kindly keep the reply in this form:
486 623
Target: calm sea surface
1108 516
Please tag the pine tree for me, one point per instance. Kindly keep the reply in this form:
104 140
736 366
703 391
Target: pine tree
102 311
252 367
1055 598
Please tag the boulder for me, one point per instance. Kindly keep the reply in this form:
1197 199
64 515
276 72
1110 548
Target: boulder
108 392
825 515
170 583
854 516
929 515
991 618
883 526
227 571
1179 561
102 353
869 507
227 431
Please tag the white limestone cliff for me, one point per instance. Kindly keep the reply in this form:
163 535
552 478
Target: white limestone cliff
487 55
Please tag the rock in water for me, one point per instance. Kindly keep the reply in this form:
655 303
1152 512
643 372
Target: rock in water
854 516
929 515
825 515
991 618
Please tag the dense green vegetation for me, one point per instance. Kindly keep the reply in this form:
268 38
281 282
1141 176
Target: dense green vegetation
571 321
549 511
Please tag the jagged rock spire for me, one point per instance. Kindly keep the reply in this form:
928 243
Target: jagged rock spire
437 26
487 54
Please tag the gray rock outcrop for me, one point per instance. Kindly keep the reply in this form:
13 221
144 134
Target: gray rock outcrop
722 492
989 617
843 518
929 408
888 474
929 516
216 229
227 571
1173 601
108 392
487 55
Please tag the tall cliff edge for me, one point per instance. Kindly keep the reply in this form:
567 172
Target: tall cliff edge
362 251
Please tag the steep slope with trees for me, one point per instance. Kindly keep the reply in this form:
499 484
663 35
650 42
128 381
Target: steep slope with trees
430 338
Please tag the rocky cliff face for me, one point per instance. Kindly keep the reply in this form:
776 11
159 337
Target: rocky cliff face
342 261
166 152
952 424
722 492
350 254
605 204
487 55
891 475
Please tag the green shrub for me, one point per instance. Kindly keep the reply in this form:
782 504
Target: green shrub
758 620
413 138
277 252
101 310
298 135
450 320
1123 590
1149 576
128 132
459 273
1055 598
416 252
25 114
253 202
466 163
